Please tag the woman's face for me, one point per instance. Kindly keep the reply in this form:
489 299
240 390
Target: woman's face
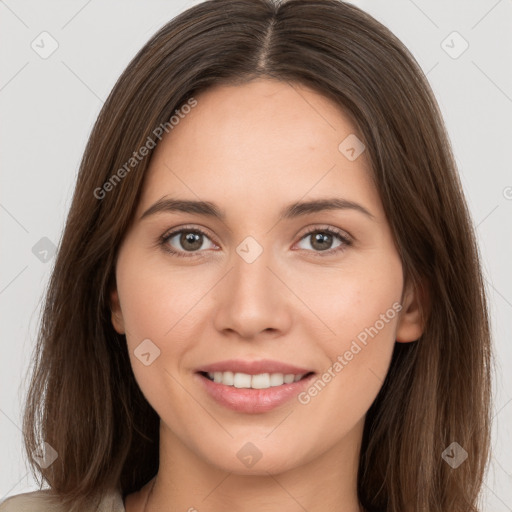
257 285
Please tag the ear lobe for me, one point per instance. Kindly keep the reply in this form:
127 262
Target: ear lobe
116 313
411 323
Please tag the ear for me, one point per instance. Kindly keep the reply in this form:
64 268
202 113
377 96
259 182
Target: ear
415 306
116 313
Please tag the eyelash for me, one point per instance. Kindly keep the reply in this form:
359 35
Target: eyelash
163 241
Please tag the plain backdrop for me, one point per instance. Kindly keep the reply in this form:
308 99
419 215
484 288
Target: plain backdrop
48 106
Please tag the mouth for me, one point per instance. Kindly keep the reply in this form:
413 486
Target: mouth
242 380
252 393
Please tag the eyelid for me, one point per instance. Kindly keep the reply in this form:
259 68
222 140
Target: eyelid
327 227
188 227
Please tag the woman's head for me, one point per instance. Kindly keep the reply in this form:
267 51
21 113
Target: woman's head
254 106
255 285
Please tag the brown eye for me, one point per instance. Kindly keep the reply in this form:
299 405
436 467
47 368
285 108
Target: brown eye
190 241
322 240
184 241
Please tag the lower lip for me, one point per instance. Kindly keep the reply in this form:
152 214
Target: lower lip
250 400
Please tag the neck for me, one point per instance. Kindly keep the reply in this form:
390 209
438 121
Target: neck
327 482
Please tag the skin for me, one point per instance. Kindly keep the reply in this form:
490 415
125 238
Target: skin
252 149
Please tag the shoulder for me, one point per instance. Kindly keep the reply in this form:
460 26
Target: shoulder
40 501
45 501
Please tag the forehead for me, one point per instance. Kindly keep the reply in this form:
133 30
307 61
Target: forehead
262 140
267 117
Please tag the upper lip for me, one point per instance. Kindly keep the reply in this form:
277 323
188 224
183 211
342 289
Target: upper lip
253 367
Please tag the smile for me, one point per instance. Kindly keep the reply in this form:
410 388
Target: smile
252 394
260 381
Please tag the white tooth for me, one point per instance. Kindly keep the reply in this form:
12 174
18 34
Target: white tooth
276 379
288 378
242 380
228 378
261 381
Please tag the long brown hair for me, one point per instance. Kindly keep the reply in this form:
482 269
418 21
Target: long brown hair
83 399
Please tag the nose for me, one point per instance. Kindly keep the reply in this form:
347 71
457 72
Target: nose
253 299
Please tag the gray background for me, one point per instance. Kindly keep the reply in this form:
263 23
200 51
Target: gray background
48 106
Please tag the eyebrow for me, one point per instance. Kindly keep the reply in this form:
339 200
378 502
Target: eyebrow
293 210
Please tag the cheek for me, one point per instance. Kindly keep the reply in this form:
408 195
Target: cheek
348 300
161 305
358 359
151 298
155 307
358 312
